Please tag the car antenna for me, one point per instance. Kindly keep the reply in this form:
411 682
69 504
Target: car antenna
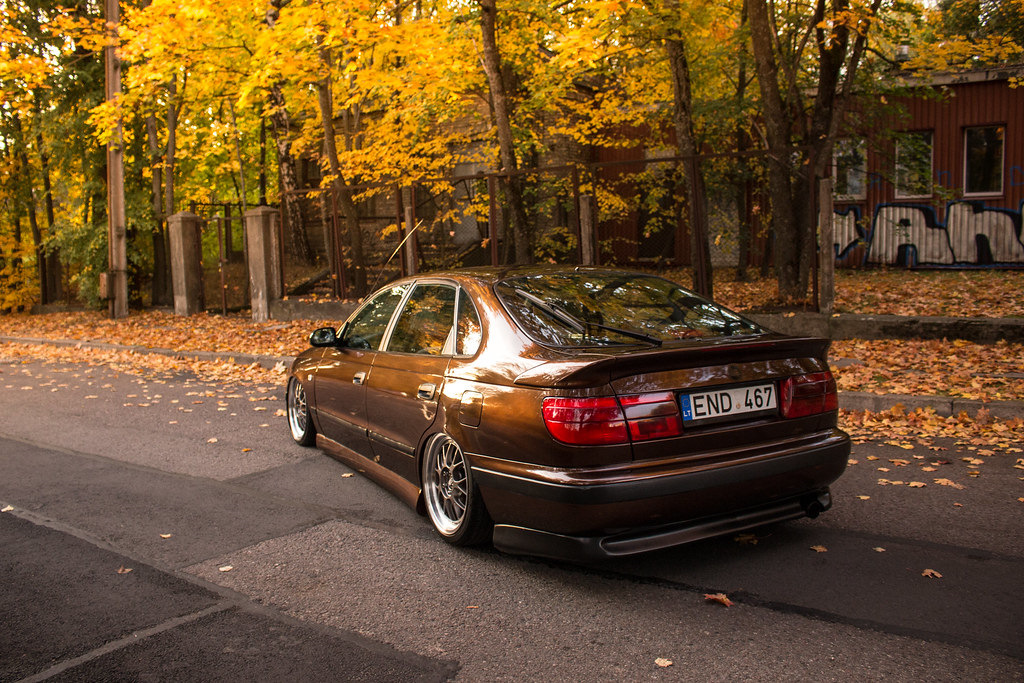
380 273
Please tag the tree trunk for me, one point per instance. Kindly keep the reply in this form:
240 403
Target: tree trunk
744 236
172 147
289 180
339 186
53 289
788 243
503 125
30 205
160 293
696 197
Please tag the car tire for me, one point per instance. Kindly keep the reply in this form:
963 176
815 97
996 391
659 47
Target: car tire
451 497
299 421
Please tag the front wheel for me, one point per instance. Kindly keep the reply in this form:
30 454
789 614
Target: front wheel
452 499
299 421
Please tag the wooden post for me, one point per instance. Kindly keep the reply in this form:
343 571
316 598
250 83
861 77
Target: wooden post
826 250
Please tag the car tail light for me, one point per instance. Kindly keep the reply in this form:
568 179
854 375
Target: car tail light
606 420
810 394
652 416
585 421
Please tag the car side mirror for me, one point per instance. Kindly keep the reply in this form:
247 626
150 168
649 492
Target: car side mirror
324 336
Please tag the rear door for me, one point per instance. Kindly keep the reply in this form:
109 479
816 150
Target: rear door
344 371
404 386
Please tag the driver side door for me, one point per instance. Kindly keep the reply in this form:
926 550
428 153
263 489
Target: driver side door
344 371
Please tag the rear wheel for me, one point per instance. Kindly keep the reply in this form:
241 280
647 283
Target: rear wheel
299 421
452 499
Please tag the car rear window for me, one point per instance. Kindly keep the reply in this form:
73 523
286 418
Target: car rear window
588 308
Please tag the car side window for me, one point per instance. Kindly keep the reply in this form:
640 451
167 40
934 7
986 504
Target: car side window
426 321
366 329
469 332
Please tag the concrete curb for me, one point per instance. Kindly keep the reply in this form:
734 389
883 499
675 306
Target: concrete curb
848 326
848 400
943 405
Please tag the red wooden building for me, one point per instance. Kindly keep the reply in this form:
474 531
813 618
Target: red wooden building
942 184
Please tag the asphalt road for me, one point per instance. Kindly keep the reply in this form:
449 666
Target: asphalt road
252 558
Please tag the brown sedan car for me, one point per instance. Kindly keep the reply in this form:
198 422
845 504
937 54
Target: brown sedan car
572 412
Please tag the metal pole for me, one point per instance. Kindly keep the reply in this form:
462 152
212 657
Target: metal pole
576 206
117 235
399 215
492 217
220 266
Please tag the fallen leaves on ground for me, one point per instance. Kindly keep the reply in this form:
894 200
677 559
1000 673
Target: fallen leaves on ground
720 598
921 428
161 330
931 574
955 368
662 662
152 366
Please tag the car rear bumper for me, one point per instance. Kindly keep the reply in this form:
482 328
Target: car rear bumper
519 540
606 512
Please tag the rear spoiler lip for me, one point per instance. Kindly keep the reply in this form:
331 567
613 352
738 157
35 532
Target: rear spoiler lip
606 367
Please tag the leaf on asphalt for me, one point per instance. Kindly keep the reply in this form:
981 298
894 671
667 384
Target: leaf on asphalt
748 539
931 574
280 368
864 497
280 412
123 569
916 485
950 483
346 475
7 508
819 548
472 606
212 439
879 549
662 662
246 450
720 598
166 535
225 568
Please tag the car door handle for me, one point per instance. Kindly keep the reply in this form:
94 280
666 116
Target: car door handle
425 391
359 378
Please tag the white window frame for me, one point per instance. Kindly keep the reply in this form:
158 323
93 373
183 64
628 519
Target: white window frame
1002 162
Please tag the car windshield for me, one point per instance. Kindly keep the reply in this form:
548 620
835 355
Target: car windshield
586 308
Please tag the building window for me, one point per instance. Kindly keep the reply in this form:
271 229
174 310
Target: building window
914 164
983 160
849 164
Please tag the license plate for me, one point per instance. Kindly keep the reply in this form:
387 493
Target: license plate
728 402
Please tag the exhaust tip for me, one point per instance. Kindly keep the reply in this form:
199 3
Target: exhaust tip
815 506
